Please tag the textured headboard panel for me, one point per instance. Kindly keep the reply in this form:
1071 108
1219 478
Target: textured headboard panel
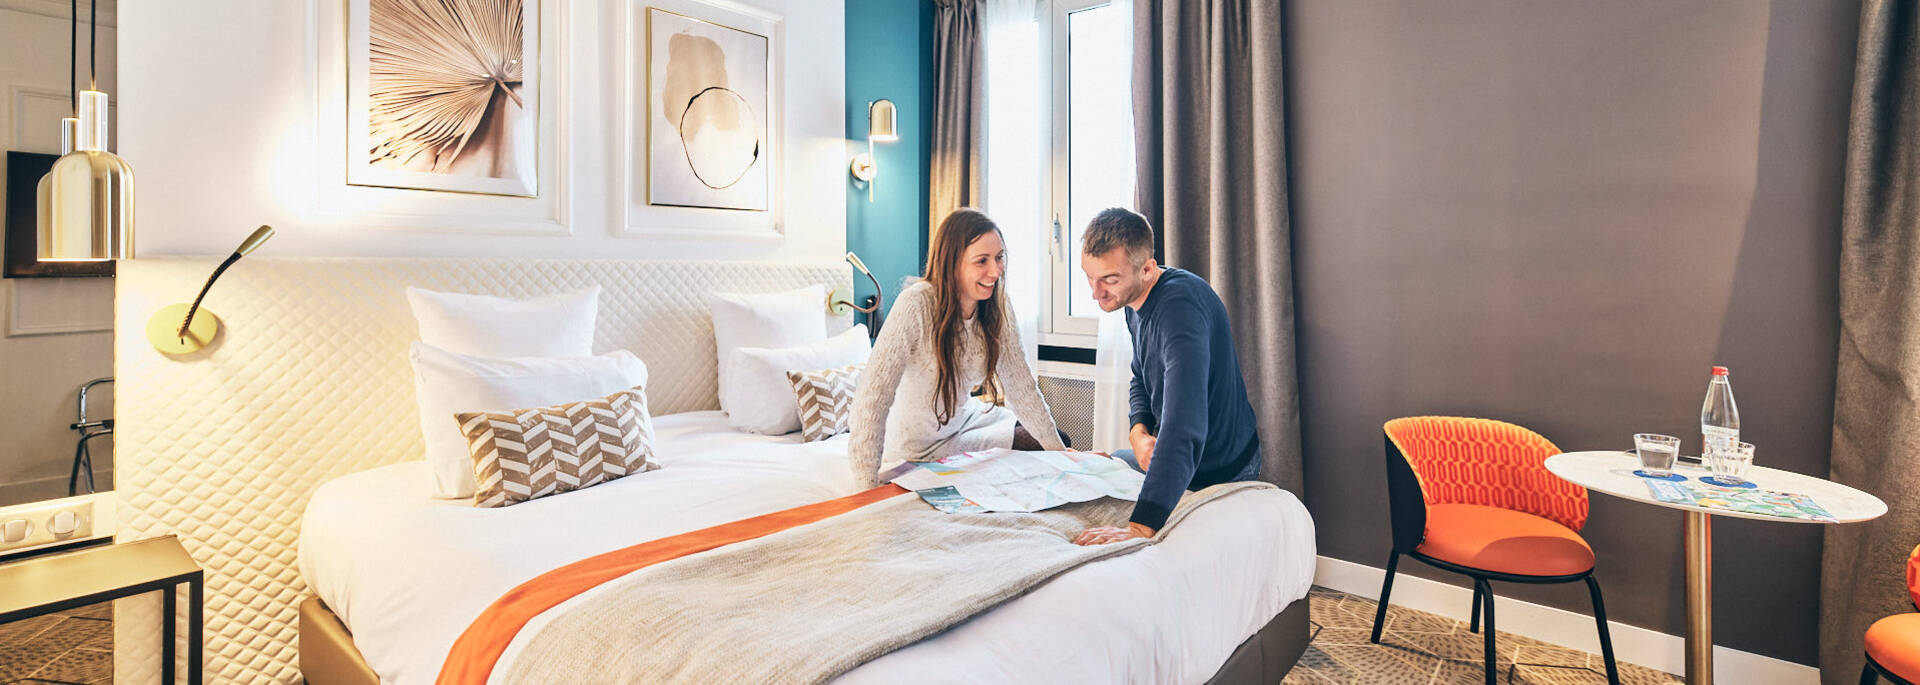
308 381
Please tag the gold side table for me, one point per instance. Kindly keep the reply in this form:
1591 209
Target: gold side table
57 582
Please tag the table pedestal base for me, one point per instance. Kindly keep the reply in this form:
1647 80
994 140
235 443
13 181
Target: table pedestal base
1699 536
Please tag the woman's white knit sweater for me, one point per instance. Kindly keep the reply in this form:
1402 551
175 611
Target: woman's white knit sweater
893 409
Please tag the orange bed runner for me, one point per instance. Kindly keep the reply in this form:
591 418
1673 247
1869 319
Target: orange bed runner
479 648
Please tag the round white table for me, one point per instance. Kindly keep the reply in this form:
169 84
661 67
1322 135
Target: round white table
1611 472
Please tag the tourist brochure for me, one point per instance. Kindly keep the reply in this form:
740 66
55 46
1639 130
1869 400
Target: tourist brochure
1745 500
1015 481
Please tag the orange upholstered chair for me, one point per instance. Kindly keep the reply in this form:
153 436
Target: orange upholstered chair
1893 643
1473 496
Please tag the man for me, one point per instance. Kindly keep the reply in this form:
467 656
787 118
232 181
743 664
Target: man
1192 424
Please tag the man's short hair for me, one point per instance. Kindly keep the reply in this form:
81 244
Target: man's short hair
1119 227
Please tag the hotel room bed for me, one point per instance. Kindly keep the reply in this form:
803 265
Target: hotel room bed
406 574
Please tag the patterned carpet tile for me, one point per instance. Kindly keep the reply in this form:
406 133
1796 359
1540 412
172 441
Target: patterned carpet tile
1461 646
1374 665
69 647
1558 656
1408 622
21 659
21 631
1419 647
79 666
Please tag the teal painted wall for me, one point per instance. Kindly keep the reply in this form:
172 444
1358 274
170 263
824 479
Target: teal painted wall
890 55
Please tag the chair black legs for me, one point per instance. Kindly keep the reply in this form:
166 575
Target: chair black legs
1484 590
1606 638
1483 606
1380 614
1475 626
1868 676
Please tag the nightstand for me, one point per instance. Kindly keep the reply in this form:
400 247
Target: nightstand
46 584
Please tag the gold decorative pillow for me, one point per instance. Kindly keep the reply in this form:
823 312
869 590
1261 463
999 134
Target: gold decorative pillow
825 398
527 454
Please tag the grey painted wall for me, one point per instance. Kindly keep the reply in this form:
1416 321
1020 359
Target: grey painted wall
1561 214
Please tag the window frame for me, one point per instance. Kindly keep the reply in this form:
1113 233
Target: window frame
1057 327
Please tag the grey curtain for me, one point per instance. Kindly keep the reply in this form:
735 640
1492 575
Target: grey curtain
1210 140
1876 412
953 174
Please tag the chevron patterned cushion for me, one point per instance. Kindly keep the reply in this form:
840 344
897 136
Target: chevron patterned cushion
527 454
825 398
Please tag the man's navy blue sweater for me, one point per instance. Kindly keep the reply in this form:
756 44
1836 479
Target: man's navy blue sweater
1188 392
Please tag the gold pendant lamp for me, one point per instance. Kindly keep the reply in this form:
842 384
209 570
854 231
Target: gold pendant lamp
69 132
87 205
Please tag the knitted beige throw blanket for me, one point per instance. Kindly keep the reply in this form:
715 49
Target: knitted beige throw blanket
812 602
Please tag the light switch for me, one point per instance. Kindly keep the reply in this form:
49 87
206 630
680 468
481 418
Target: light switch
15 530
63 524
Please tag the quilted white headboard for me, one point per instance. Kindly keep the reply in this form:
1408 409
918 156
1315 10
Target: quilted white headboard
309 381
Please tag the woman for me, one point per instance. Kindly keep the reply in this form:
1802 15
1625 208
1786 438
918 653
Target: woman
947 333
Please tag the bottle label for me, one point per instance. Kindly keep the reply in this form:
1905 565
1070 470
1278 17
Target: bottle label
1716 438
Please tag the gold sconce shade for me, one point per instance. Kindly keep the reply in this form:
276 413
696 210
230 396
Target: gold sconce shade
881 121
88 201
253 242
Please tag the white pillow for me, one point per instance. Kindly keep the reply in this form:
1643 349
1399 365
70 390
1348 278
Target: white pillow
447 383
787 319
558 325
763 397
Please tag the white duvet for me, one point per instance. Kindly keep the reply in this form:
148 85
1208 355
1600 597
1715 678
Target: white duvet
408 573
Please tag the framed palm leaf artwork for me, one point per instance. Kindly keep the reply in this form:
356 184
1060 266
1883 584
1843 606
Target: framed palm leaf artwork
444 95
707 108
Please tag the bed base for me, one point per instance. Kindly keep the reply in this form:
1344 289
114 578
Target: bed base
1266 657
327 654
328 657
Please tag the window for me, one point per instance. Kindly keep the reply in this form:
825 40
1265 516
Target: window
1092 166
1059 142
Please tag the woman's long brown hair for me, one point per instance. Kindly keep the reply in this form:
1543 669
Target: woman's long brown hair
957 232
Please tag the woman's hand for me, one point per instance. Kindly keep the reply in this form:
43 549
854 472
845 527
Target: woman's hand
1143 444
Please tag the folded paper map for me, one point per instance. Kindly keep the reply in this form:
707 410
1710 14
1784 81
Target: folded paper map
1744 500
1007 480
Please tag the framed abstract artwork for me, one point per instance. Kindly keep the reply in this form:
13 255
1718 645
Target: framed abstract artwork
708 109
444 95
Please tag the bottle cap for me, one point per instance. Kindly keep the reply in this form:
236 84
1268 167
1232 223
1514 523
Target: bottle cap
1719 371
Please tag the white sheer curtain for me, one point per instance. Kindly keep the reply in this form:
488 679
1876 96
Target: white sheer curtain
1113 359
1112 376
1015 111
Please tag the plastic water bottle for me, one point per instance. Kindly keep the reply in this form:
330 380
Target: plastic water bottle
1719 417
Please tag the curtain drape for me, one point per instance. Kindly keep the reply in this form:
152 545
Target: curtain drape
1011 157
955 162
1210 144
1876 414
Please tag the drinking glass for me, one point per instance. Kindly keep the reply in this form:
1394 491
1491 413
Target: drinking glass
1657 453
1730 464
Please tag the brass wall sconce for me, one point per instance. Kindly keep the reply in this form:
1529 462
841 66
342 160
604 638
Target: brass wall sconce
882 120
184 328
840 302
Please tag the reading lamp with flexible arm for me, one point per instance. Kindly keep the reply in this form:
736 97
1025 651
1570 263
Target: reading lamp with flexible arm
183 328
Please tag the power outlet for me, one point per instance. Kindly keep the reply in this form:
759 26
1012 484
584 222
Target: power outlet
52 522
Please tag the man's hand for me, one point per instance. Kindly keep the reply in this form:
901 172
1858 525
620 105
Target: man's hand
1106 534
1143 444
